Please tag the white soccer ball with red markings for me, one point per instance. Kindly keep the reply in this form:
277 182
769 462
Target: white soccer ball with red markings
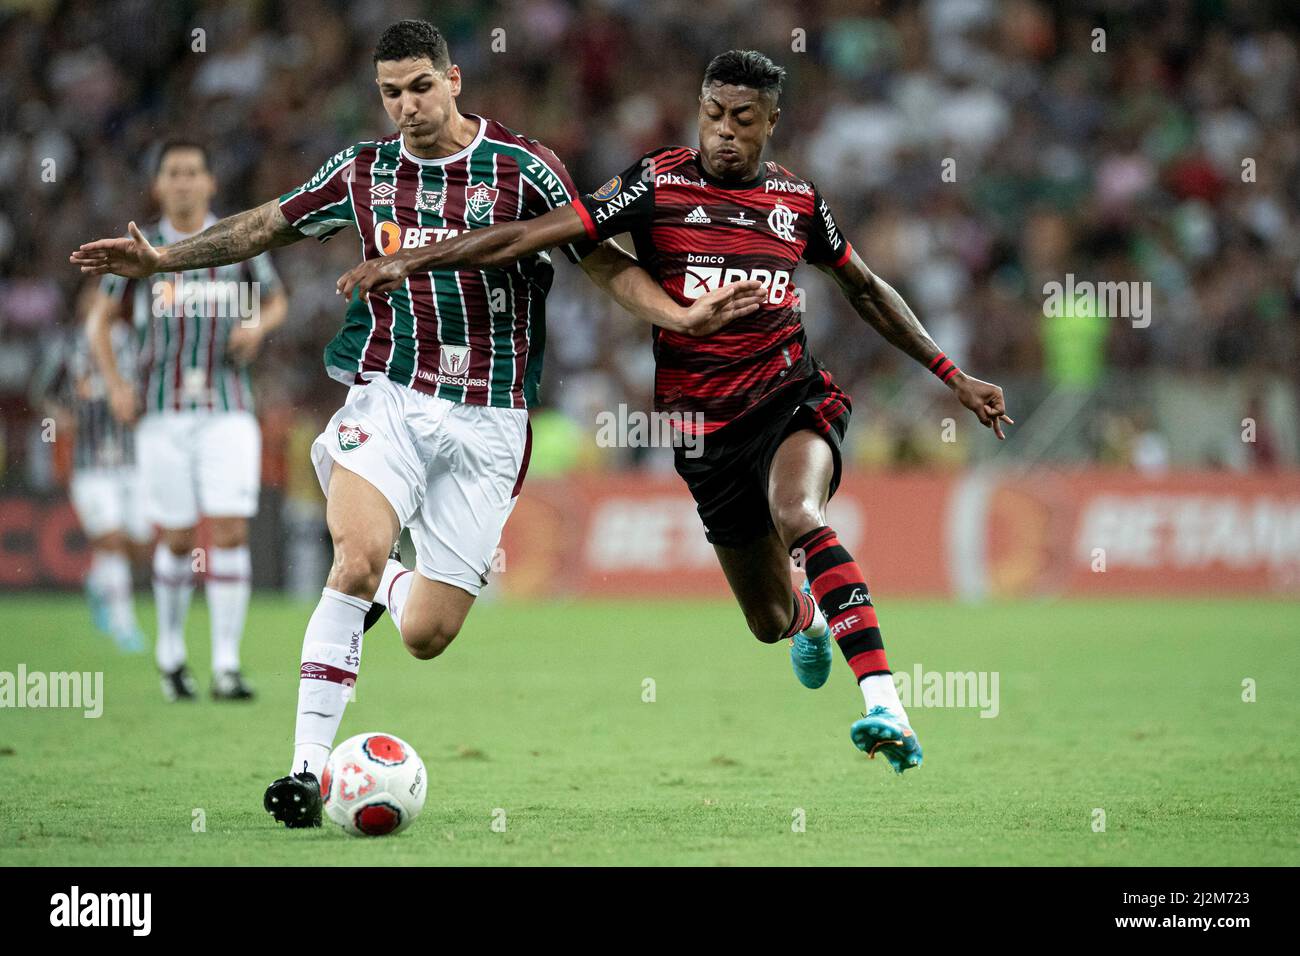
374 785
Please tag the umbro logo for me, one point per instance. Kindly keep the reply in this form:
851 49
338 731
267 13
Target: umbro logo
698 216
859 596
382 194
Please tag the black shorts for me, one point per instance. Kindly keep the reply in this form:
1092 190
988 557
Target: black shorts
729 479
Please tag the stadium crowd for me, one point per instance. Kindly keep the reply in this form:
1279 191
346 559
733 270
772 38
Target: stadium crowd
973 150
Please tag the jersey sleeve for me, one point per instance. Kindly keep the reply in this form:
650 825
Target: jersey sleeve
552 187
624 204
826 244
322 205
263 272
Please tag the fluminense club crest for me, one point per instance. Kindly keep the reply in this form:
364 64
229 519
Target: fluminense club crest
351 436
479 200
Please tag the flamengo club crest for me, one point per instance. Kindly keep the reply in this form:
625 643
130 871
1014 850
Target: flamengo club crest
351 436
454 360
781 221
479 200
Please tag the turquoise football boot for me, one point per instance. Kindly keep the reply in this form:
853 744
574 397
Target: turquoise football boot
884 731
811 657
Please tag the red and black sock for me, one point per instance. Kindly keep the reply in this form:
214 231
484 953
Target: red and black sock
804 612
841 591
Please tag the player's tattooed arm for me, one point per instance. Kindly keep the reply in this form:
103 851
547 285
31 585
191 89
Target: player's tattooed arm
493 247
228 240
882 308
620 275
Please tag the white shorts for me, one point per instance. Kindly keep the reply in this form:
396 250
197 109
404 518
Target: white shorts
107 500
199 463
451 471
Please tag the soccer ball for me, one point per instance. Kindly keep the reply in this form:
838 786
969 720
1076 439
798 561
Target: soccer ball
374 785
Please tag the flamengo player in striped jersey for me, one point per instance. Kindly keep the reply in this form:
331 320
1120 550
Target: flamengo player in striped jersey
434 433
198 446
772 419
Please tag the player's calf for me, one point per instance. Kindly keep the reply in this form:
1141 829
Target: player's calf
769 624
428 613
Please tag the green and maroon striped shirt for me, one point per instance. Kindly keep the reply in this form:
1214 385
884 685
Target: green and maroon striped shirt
472 335
183 322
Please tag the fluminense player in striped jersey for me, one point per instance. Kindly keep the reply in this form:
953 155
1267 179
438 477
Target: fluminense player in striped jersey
105 481
434 432
198 444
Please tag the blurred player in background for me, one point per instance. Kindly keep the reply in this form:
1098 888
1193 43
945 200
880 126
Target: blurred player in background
767 414
434 433
197 443
105 484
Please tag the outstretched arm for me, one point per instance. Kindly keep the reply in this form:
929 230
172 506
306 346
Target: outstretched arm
232 239
884 310
623 279
488 248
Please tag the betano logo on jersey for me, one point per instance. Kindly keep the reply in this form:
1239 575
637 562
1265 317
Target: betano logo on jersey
390 237
700 280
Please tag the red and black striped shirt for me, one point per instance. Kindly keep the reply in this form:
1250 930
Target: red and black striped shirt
694 234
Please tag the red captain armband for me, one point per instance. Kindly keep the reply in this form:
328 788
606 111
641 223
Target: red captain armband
944 368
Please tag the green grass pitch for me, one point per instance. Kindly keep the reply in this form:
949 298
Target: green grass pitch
1131 707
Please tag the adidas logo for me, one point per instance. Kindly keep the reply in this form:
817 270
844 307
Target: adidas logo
697 215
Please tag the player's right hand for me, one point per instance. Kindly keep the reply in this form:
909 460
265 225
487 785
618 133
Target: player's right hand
712 311
132 257
374 276
123 401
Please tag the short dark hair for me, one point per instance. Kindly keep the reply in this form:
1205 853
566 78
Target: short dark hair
171 145
412 39
746 68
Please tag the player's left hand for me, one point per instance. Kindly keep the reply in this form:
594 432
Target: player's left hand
985 400
712 311
244 343
374 276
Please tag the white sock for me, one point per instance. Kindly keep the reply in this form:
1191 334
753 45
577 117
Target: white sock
173 582
331 657
229 581
879 690
95 577
114 581
394 585
818 627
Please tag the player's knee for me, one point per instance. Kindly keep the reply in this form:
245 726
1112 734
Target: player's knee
796 516
179 541
427 643
355 572
229 532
